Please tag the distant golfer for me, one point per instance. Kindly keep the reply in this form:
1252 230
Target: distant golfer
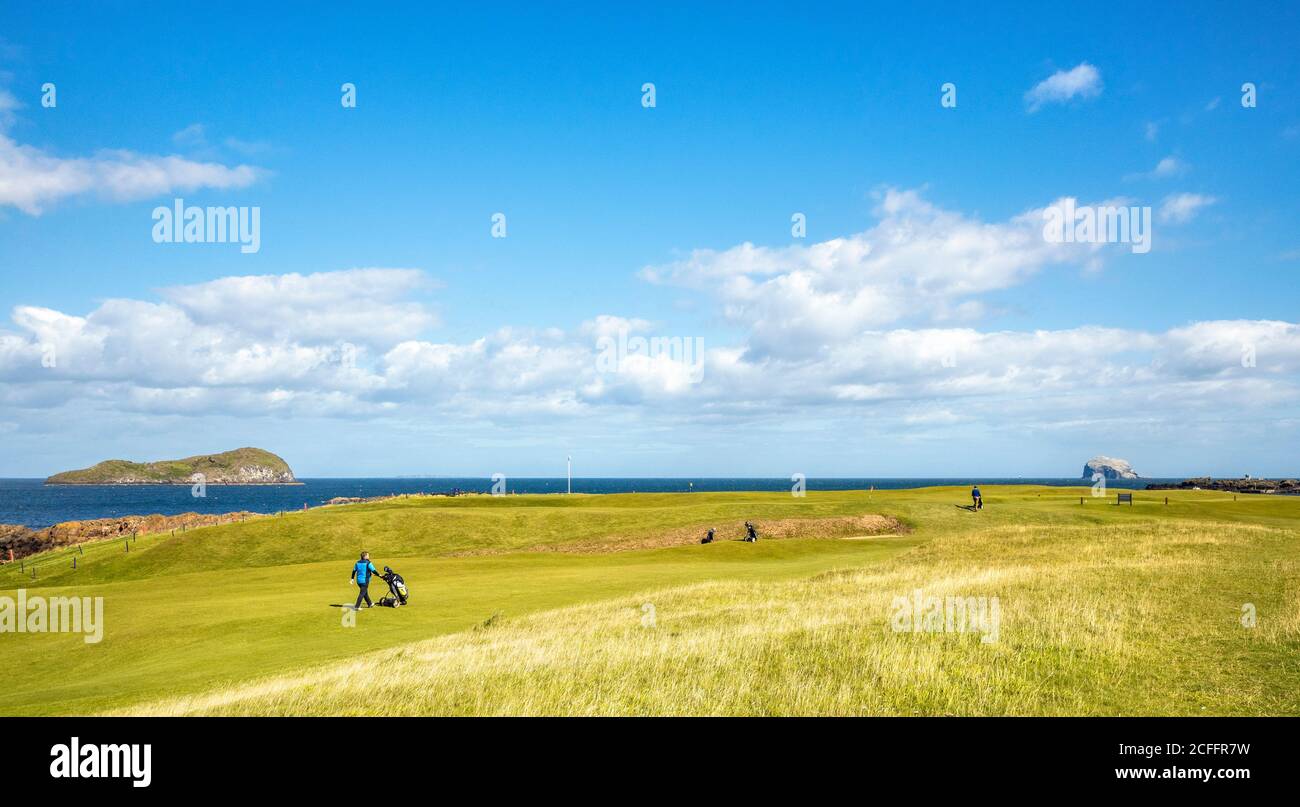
362 571
976 499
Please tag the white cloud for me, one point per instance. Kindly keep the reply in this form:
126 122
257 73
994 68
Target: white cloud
362 305
880 327
1180 208
191 136
918 263
314 335
1167 168
1170 166
611 326
8 105
32 179
1081 81
934 417
165 358
249 148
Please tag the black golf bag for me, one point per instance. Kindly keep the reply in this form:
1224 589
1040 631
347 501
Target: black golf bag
397 594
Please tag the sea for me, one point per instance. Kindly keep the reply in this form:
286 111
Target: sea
32 503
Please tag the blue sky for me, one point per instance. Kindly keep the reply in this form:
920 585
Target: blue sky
475 354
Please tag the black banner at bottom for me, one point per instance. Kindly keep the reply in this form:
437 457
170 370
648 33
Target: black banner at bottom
346 757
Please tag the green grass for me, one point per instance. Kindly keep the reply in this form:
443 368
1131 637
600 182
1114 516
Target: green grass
1106 610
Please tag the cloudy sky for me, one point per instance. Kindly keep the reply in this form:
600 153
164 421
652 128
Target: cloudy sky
920 324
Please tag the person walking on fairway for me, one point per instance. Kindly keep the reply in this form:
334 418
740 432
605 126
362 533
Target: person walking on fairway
977 501
362 571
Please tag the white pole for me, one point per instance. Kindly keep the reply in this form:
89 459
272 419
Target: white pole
569 459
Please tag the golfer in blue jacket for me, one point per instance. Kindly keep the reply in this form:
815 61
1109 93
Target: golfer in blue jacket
361 573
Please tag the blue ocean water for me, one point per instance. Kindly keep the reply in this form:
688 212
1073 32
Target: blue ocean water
35 504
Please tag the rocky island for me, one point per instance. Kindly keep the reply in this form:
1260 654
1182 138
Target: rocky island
1110 468
243 466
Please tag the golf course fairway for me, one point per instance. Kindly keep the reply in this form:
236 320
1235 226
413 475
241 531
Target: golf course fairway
597 605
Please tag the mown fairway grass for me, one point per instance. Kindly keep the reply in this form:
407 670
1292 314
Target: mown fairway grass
1104 610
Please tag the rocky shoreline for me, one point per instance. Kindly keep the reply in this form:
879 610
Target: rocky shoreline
1283 487
22 541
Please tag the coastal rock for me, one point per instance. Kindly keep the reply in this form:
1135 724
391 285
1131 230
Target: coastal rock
1109 468
21 541
1286 487
243 466
24 541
